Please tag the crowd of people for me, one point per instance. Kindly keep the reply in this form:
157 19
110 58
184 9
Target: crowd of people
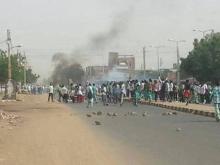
150 90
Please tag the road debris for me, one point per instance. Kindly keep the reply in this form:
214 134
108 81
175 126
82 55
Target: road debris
132 113
179 129
7 116
99 113
169 113
9 119
88 115
97 123
145 114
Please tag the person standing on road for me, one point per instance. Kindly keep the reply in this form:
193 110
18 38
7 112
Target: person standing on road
104 95
50 92
186 92
94 89
65 95
90 96
216 100
123 93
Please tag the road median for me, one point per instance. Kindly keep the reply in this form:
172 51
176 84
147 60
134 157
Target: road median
197 109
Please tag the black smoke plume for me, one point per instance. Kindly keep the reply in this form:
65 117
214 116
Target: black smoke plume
66 71
69 67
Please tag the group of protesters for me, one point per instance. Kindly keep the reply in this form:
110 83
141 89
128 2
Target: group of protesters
163 90
149 90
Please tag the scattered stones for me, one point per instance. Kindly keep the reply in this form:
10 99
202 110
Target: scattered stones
97 123
145 114
99 113
88 115
169 113
133 113
7 116
174 113
109 114
179 129
112 114
94 113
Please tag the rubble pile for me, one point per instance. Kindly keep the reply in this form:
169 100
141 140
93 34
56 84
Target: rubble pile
9 119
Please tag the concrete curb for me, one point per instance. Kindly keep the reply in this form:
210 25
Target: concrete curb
176 108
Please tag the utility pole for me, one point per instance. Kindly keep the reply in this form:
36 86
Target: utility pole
144 62
158 61
204 31
158 57
25 66
10 91
9 53
178 59
178 63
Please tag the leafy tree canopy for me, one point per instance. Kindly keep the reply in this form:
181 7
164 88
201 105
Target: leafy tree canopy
203 62
18 68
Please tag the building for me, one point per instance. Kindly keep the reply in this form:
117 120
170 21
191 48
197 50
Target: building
92 71
124 62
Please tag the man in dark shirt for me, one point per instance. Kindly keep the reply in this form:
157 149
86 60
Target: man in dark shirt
186 92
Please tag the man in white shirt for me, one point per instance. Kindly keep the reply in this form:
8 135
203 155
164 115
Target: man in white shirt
90 96
64 92
204 89
50 92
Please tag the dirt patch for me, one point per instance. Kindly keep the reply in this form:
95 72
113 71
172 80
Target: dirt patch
48 133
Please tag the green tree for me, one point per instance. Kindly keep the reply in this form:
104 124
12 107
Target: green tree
3 66
203 62
17 61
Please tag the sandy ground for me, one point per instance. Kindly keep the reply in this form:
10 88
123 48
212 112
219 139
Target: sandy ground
49 134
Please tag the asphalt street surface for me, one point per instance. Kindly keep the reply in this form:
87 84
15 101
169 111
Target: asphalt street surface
157 138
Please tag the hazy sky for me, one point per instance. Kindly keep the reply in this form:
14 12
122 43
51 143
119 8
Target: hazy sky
45 27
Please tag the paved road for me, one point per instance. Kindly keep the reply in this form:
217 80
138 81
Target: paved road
182 139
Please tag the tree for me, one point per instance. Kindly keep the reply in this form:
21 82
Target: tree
3 66
17 61
203 62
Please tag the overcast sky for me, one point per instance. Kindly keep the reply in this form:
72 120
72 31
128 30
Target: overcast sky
45 27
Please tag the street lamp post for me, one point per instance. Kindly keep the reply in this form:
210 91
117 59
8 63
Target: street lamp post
158 57
25 67
178 58
203 31
144 59
10 93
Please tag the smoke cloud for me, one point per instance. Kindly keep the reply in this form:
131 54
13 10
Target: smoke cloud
68 67
66 70
98 43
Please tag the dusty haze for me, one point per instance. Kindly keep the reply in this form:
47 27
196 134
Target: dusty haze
93 28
